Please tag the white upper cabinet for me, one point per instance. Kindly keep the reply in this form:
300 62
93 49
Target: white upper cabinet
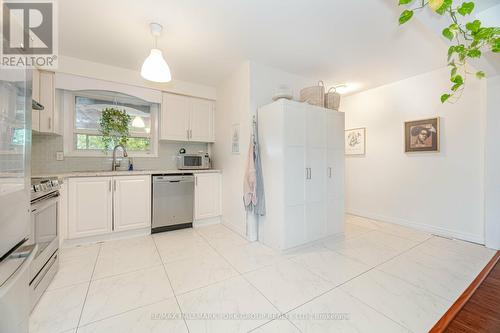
201 120
187 119
49 119
174 118
207 201
132 202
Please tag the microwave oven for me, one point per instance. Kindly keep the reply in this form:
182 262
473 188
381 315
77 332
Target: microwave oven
193 161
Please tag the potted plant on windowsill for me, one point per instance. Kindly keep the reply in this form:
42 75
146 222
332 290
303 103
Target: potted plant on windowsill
114 127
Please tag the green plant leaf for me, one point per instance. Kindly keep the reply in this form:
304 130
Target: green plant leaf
448 34
435 4
446 4
457 79
480 74
466 8
453 72
404 2
474 53
473 26
405 16
445 97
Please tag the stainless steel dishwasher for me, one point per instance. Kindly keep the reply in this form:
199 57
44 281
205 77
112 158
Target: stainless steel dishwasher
173 200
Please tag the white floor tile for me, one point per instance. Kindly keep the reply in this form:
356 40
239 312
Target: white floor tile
156 318
114 295
277 326
287 284
229 303
88 251
72 271
441 277
404 232
412 307
178 248
128 255
452 249
251 256
221 237
58 310
200 271
346 314
372 248
331 266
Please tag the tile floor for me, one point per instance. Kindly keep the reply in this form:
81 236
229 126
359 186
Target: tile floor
374 277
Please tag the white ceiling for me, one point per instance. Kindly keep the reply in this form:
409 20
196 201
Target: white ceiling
335 40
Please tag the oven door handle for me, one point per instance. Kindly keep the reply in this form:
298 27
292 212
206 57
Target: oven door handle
44 201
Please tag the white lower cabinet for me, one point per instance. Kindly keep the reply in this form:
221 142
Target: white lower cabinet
90 206
132 202
207 195
101 205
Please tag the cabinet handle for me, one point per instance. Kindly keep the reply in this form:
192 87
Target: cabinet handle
195 181
109 185
190 134
330 172
50 123
114 185
310 173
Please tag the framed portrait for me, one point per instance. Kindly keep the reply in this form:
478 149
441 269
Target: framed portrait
422 135
235 139
355 141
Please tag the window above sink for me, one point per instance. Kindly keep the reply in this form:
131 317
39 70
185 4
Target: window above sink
84 108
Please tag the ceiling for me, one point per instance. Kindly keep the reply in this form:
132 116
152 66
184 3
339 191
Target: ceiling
203 41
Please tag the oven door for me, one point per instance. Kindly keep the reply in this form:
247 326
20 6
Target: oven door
44 230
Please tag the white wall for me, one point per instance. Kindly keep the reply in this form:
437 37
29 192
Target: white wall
492 165
94 70
438 192
251 85
232 107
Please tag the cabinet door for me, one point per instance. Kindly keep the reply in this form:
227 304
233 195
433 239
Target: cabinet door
35 114
207 192
47 98
335 173
90 206
175 118
201 120
132 202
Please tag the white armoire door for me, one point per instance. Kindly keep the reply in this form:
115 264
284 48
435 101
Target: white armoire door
90 206
175 112
132 202
201 120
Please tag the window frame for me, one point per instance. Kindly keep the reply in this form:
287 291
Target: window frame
66 100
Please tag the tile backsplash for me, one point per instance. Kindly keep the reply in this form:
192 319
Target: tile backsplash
45 147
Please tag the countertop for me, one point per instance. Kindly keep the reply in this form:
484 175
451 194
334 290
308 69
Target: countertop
119 173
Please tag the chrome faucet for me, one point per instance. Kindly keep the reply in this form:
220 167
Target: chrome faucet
114 165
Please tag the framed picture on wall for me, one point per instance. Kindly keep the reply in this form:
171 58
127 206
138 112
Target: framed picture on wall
355 141
422 135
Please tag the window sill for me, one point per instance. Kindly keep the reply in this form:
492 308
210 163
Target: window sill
107 155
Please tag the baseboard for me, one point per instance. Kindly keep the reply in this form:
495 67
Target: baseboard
419 226
106 237
209 221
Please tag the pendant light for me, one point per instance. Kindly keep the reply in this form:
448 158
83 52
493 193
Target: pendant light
138 122
155 68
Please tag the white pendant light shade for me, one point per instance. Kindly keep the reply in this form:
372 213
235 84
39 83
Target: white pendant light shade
138 122
155 68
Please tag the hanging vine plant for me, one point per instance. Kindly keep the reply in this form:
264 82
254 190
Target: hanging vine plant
469 39
114 127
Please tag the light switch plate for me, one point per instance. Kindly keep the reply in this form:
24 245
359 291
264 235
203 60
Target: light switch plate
59 156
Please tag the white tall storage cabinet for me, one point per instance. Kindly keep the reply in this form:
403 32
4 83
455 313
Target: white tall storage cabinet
302 151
